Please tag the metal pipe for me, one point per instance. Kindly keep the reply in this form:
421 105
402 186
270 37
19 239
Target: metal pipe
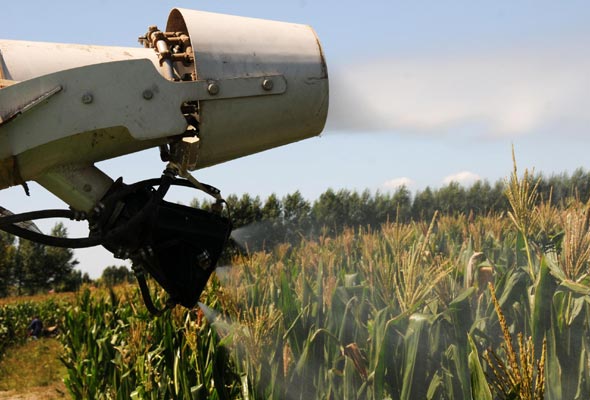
165 59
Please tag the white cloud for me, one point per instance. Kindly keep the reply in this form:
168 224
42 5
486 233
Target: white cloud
463 178
503 93
396 183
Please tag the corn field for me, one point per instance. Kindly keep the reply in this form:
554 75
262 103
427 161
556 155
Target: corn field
15 318
456 308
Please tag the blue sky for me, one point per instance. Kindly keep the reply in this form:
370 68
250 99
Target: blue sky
422 92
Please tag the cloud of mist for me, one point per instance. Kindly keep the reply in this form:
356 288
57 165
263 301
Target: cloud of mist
503 93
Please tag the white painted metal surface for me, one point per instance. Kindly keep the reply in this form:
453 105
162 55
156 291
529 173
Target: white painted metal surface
228 46
107 95
259 84
23 60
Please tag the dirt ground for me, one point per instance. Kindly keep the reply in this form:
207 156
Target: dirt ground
32 370
52 392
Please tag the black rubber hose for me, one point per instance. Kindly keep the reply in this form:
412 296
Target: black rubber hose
72 243
42 214
78 243
7 222
147 298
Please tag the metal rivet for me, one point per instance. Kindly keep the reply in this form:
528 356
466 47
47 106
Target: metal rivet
148 94
87 98
267 84
87 188
213 89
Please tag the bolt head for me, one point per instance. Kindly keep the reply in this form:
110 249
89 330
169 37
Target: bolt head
267 84
213 88
87 98
148 94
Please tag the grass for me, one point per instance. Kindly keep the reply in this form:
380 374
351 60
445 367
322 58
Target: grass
33 367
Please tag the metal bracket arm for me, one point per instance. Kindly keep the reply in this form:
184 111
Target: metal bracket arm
122 93
27 105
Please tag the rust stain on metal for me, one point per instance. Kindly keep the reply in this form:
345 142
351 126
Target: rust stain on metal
10 173
324 66
9 116
3 81
95 139
6 82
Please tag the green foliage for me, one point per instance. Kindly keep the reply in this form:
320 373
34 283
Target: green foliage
115 350
290 218
400 310
113 275
326 319
16 317
7 255
29 268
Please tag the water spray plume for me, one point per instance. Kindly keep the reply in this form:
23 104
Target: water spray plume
222 326
252 235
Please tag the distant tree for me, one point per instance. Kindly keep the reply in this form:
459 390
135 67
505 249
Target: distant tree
7 260
579 185
272 209
367 214
196 203
477 198
328 211
296 215
557 187
29 274
285 219
251 208
59 265
357 209
402 204
39 267
499 202
244 210
116 275
70 282
204 204
353 213
86 278
383 209
544 187
424 205
450 199
232 204
272 217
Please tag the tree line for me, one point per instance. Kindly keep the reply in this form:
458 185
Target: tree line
28 268
274 220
